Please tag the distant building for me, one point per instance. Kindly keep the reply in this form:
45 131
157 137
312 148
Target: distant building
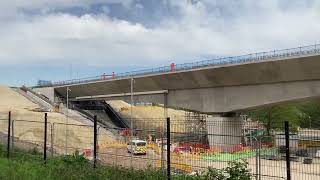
44 83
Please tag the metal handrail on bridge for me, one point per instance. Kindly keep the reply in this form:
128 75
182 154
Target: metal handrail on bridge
255 57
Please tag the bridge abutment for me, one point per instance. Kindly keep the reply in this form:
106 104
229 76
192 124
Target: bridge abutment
224 133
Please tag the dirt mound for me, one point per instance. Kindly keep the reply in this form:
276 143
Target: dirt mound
145 112
148 117
23 111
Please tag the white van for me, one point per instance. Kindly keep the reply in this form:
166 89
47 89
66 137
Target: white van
138 147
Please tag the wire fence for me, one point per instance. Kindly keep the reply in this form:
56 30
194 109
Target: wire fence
139 152
254 57
277 151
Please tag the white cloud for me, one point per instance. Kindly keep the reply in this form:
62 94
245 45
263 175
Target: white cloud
201 28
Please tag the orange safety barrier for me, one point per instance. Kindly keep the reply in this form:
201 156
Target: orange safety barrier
87 152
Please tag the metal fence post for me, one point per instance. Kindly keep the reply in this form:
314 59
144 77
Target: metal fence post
95 141
9 129
12 136
165 108
45 138
162 149
168 149
257 156
52 139
98 132
287 139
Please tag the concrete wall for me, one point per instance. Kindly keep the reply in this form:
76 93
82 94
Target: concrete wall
46 91
39 101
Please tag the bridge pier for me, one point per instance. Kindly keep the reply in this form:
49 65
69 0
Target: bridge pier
224 133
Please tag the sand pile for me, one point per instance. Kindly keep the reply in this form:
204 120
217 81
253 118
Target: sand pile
145 112
149 117
79 136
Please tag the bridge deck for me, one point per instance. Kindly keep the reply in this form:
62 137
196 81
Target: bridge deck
225 61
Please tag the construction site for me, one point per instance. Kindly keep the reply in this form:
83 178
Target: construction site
72 131
119 123
184 118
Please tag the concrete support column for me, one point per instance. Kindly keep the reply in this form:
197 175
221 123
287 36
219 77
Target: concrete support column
224 133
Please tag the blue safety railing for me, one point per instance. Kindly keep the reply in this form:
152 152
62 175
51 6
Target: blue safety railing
256 57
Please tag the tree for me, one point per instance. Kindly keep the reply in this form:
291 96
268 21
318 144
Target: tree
310 114
273 117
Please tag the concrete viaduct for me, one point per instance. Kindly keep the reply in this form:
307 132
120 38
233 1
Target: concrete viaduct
217 89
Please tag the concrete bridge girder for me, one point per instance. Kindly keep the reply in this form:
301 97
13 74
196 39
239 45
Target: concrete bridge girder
233 98
236 98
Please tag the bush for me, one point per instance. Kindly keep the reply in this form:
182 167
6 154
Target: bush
237 170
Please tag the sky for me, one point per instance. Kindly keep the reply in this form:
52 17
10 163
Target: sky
63 39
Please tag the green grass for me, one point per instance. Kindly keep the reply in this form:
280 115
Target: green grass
29 165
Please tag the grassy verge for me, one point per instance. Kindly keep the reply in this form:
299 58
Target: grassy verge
29 165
